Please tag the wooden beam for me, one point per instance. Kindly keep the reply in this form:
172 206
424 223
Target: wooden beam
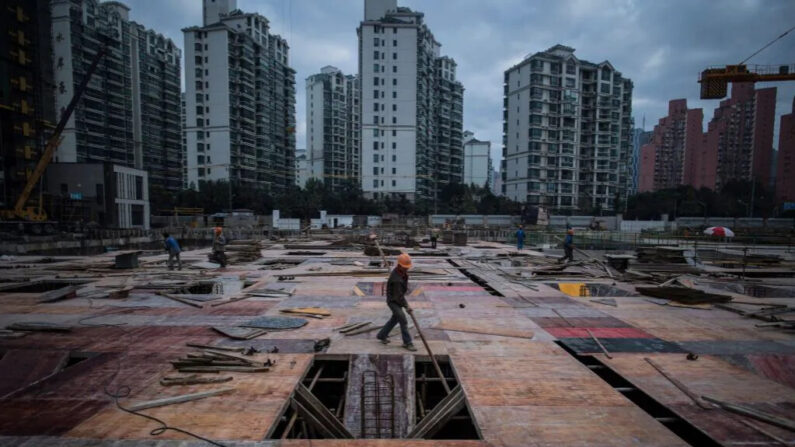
677 384
768 418
178 399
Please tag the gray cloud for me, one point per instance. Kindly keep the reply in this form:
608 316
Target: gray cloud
660 45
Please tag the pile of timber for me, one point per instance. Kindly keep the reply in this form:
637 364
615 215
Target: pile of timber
663 255
243 250
214 361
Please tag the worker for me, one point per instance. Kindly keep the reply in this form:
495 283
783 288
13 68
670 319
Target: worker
568 247
520 238
172 247
396 288
434 237
219 242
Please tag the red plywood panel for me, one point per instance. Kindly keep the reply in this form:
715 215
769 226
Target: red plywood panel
20 368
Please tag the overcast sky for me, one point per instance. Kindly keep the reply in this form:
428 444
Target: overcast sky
661 45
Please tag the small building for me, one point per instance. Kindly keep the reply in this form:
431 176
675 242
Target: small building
477 161
109 195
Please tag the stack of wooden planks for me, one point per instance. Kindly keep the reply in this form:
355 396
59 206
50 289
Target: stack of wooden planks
243 250
214 361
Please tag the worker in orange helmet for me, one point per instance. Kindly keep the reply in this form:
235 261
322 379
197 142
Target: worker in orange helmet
396 288
219 242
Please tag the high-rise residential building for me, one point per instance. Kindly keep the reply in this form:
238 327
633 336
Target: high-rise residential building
26 93
670 156
333 126
477 161
184 142
785 166
567 132
412 105
640 137
303 169
240 101
130 112
739 139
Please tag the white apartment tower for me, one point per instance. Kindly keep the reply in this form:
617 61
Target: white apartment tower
412 106
477 161
129 113
239 101
567 132
333 127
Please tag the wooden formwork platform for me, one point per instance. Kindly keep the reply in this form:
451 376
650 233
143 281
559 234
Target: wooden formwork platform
504 337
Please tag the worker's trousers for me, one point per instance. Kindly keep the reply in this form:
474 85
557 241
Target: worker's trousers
569 254
397 317
171 257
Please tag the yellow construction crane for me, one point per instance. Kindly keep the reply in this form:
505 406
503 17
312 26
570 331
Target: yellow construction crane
21 212
714 81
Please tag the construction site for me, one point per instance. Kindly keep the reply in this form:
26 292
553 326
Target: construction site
662 345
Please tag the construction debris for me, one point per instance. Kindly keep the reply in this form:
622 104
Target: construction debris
193 380
684 295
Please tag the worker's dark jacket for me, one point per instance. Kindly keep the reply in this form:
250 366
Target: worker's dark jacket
396 288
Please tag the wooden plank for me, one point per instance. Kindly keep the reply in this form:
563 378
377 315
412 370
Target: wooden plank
496 333
178 399
314 406
59 294
604 350
677 384
215 369
436 418
768 418
354 327
178 299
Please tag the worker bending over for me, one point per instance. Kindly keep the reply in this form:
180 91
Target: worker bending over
172 247
396 288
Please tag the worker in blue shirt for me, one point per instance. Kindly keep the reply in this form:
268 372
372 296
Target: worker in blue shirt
568 246
172 247
519 238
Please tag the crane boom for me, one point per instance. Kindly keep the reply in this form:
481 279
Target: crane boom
714 81
19 210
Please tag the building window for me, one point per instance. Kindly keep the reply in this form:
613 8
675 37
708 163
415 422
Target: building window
375 119
375 170
394 183
375 158
376 41
376 53
375 183
375 145
375 68
571 69
394 172
394 120
375 80
394 95
570 82
394 157
394 56
394 69
375 93
394 133
394 81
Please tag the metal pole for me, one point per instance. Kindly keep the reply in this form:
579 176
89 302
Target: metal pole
428 348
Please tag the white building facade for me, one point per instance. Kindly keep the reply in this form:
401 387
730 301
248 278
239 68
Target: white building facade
239 101
333 127
567 132
411 106
477 161
129 113
303 169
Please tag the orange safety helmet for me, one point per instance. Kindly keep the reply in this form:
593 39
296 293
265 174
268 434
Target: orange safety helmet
571 231
404 260
218 230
